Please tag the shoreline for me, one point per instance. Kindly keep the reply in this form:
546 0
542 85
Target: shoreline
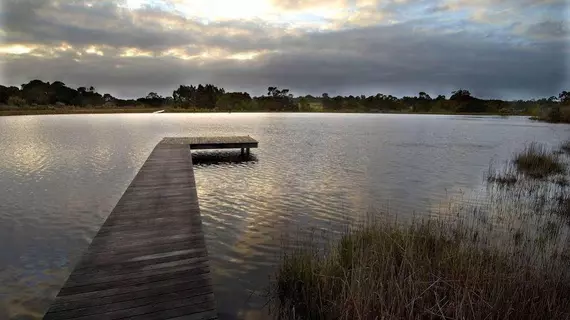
26 112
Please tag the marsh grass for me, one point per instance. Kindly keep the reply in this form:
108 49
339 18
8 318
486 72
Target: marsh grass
537 161
505 259
565 146
505 177
429 270
536 177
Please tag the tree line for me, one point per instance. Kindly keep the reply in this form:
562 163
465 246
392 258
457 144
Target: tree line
38 94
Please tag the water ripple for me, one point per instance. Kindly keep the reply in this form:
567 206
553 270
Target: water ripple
60 177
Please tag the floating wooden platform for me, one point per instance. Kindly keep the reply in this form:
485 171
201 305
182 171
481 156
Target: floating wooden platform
149 259
242 142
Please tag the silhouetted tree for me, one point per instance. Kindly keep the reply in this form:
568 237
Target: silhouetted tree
424 96
564 97
208 96
460 94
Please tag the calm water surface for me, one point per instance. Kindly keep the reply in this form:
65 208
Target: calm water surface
60 177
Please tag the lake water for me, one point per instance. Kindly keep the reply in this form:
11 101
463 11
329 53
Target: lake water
61 175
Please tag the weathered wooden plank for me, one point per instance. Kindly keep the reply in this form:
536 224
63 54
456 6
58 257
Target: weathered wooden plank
104 243
70 304
146 233
200 286
161 309
141 289
149 259
112 265
168 141
160 243
148 222
142 257
101 277
155 247
168 266
205 315
213 142
131 303
80 287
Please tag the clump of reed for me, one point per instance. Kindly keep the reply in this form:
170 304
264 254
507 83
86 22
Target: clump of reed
565 146
428 270
537 161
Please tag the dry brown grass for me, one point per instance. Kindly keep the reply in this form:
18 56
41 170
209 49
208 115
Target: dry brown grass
430 270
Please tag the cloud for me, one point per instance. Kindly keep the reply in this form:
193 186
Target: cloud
361 47
548 29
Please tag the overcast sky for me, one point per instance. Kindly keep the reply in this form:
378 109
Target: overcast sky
495 48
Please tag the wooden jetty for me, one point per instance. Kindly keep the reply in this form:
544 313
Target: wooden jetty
242 142
149 259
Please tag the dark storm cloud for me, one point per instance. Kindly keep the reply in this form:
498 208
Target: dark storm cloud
403 58
53 22
398 56
548 29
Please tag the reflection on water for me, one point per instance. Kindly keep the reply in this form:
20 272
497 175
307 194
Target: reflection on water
60 177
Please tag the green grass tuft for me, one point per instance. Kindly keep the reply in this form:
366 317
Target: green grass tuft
538 161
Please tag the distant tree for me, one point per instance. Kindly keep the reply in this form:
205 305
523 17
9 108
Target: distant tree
277 100
153 95
59 92
234 101
7 92
37 92
34 84
460 94
424 96
202 96
271 91
152 99
108 98
275 92
185 96
564 97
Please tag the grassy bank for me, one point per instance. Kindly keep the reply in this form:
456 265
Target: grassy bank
505 259
559 114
